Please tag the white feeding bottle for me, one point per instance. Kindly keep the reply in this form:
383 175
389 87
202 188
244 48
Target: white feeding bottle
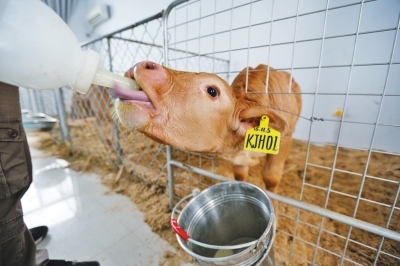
39 51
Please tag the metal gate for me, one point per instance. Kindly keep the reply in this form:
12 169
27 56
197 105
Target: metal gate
338 201
345 56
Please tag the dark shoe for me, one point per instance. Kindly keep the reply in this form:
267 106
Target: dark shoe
39 233
72 263
83 263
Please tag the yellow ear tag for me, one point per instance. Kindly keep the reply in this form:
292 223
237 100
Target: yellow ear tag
262 138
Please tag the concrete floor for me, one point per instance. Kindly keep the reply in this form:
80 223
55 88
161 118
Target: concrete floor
85 221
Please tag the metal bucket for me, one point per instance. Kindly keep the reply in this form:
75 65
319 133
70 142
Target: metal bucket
236 218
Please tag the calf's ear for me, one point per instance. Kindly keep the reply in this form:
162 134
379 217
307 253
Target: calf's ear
249 117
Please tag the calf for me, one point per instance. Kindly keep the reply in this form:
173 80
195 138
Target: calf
200 112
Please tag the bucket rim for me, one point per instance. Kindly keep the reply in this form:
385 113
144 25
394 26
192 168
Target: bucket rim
249 246
222 259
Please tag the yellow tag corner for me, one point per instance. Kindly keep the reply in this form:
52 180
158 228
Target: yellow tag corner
262 138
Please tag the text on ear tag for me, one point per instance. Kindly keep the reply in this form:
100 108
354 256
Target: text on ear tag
263 138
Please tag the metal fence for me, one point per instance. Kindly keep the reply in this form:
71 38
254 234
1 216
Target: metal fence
338 201
335 205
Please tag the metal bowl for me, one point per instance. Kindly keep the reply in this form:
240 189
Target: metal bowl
37 122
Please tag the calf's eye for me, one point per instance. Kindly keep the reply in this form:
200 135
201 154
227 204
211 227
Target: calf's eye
212 91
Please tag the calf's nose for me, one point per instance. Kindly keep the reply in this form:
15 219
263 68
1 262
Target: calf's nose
147 65
149 71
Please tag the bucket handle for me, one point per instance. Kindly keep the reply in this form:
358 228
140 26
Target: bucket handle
180 232
174 223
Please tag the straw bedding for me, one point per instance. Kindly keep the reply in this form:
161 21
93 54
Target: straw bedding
143 179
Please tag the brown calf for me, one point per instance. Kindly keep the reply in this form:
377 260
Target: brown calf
200 112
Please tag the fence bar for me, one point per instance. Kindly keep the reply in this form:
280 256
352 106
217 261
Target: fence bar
116 123
170 178
61 114
338 217
165 63
32 98
200 171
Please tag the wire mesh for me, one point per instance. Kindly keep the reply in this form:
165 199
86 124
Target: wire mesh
93 129
345 157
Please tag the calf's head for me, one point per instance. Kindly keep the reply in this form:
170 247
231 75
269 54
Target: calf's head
191 111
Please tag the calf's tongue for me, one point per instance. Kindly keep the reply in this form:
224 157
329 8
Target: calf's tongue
135 95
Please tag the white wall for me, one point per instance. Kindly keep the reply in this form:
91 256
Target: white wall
123 13
373 52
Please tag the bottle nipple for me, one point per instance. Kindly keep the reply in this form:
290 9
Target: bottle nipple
108 79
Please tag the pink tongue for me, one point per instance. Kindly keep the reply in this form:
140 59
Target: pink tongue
122 94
